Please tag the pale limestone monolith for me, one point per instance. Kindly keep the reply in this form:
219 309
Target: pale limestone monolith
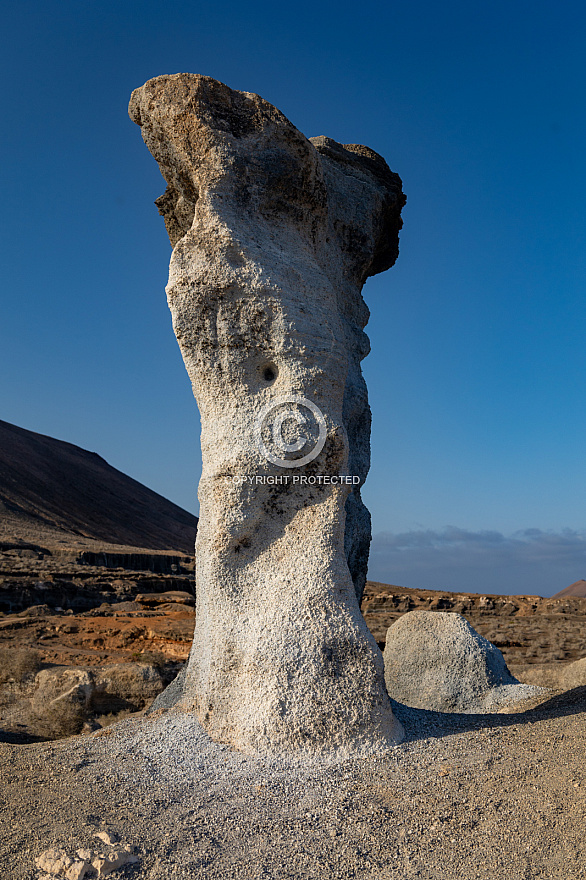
273 238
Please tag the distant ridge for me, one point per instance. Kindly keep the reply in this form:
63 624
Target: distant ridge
51 490
577 589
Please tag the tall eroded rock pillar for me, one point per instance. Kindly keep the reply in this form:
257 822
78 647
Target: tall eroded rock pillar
273 238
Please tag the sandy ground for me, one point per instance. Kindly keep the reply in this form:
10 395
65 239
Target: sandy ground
501 796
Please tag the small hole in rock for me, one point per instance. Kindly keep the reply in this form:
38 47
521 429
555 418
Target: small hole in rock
269 373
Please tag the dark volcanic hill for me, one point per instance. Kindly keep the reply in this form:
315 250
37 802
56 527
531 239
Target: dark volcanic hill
51 490
576 589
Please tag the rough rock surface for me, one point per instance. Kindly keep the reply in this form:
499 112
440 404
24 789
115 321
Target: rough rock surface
437 661
61 688
178 597
59 701
86 863
274 237
66 581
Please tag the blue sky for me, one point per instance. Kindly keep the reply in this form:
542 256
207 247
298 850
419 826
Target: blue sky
477 374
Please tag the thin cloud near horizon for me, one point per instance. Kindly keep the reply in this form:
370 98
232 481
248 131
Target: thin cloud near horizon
530 561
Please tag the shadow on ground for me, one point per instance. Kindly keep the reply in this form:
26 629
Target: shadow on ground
422 723
14 738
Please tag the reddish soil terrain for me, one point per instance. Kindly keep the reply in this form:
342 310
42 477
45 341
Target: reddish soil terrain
137 617
84 550
527 629
112 634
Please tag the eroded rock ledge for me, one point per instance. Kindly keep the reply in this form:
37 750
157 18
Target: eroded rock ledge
274 236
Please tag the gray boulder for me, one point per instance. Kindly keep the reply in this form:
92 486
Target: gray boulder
436 660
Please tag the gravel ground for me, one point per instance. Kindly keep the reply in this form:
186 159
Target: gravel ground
486 796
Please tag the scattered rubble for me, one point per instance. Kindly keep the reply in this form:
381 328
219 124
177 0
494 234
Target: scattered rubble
87 864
